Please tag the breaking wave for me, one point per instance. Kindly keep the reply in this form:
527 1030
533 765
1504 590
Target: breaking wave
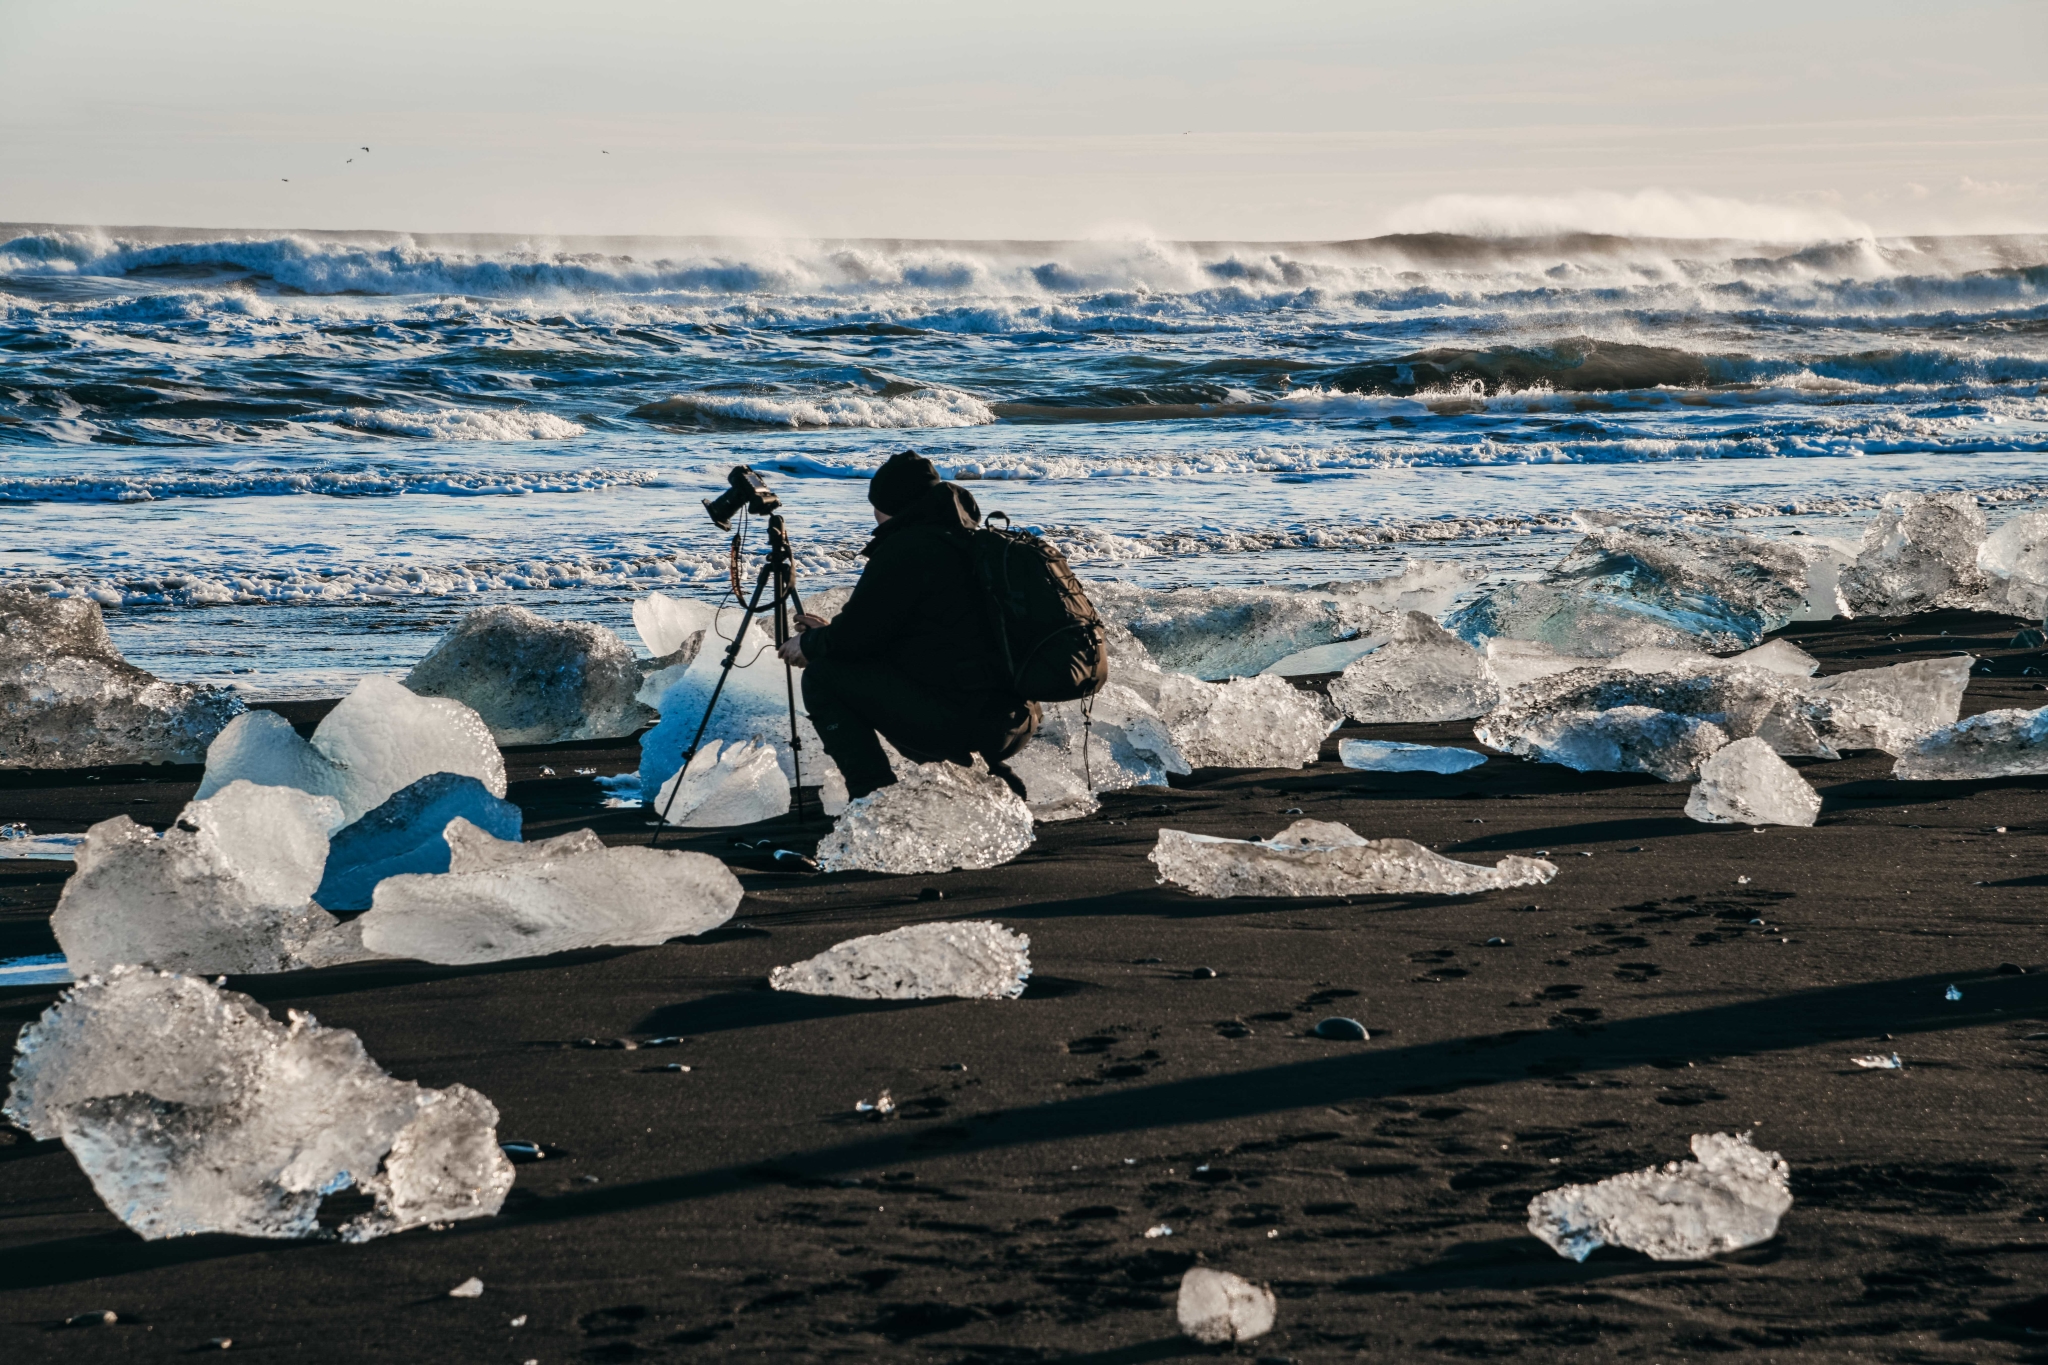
923 408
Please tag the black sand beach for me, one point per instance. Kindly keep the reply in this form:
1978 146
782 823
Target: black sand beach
1675 978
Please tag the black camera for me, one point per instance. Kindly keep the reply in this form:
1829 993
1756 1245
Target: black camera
747 491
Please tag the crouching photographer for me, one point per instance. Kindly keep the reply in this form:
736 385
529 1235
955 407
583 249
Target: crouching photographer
913 657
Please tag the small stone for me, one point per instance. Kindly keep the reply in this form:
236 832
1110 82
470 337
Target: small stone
931 893
106 1317
1496 943
219 1343
1344 1030
2011 969
469 1289
1203 973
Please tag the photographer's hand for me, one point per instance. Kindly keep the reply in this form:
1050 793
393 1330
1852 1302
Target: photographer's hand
792 650
806 621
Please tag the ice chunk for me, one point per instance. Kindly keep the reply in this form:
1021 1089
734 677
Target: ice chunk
1317 858
535 681
1730 1196
1216 633
1892 708
934 818
1516 663
1775 656
335 946
474 849
1747 783
754 706
404 835
665 624
228 888
1391 756
525 900
1622 739
378 741
1740 701
52 847
1127 744
1668 585
2016 555
1262 722
1423 674
1920 552
737 784
1216 1307
1994 744
191 1110
970 960
69 700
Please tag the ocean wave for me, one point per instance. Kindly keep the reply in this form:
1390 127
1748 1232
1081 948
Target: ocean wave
373 483
832 408
454 424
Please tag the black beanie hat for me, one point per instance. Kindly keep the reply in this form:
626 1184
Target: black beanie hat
906 477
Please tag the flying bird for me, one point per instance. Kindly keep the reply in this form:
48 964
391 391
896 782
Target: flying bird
287 179
366 149
350 162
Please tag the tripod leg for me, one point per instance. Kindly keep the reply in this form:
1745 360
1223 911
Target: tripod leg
732 655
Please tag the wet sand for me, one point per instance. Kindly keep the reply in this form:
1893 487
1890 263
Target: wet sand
1675 978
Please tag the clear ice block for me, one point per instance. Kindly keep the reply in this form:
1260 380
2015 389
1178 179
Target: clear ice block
1318 858
969 960
535 681
1729 1196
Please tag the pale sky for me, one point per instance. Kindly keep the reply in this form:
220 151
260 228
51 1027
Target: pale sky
1247 121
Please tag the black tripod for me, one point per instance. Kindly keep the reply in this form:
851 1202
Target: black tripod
778 572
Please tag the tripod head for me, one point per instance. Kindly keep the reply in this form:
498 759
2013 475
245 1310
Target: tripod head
748 491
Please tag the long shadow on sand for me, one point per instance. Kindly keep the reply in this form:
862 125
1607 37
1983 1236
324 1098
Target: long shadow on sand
1838 1014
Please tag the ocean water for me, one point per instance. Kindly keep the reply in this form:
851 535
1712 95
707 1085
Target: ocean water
286 459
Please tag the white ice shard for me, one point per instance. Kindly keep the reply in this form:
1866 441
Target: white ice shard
1423 674
1920 553
228 888
1516 663
969 960
69 700
1747 783
1320 858
1621 739
731 784
1892 708
1262 722
404 835
2016 556
1217 1308
504 900
191 1110
1730 1196
380 740
1125 742
1216 633
1994 744
665 624
1392 756
754 705
535 681
1668 585
1739 701
934 818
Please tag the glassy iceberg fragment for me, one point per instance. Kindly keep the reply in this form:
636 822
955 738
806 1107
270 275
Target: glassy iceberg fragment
1125 743
1622 739
2015 556
535 681
526 900
1994 744
666 624
1217 1308
731 784
754 706
1740 701
191 1110
1920 553
69 700
1262 722
1892 708
473 849
1318 858
1665 585
228 888
933 818
1516 663
1391 756
1747 783
969 960
1217 633
1729 1196
1423 674
378 741
404 835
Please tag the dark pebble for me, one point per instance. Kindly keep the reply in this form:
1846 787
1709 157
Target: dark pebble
1203 973
106 1317
2011 969
1496 943
1342 1030
931 893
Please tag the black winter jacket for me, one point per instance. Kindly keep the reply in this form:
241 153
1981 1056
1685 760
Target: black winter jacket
917 607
